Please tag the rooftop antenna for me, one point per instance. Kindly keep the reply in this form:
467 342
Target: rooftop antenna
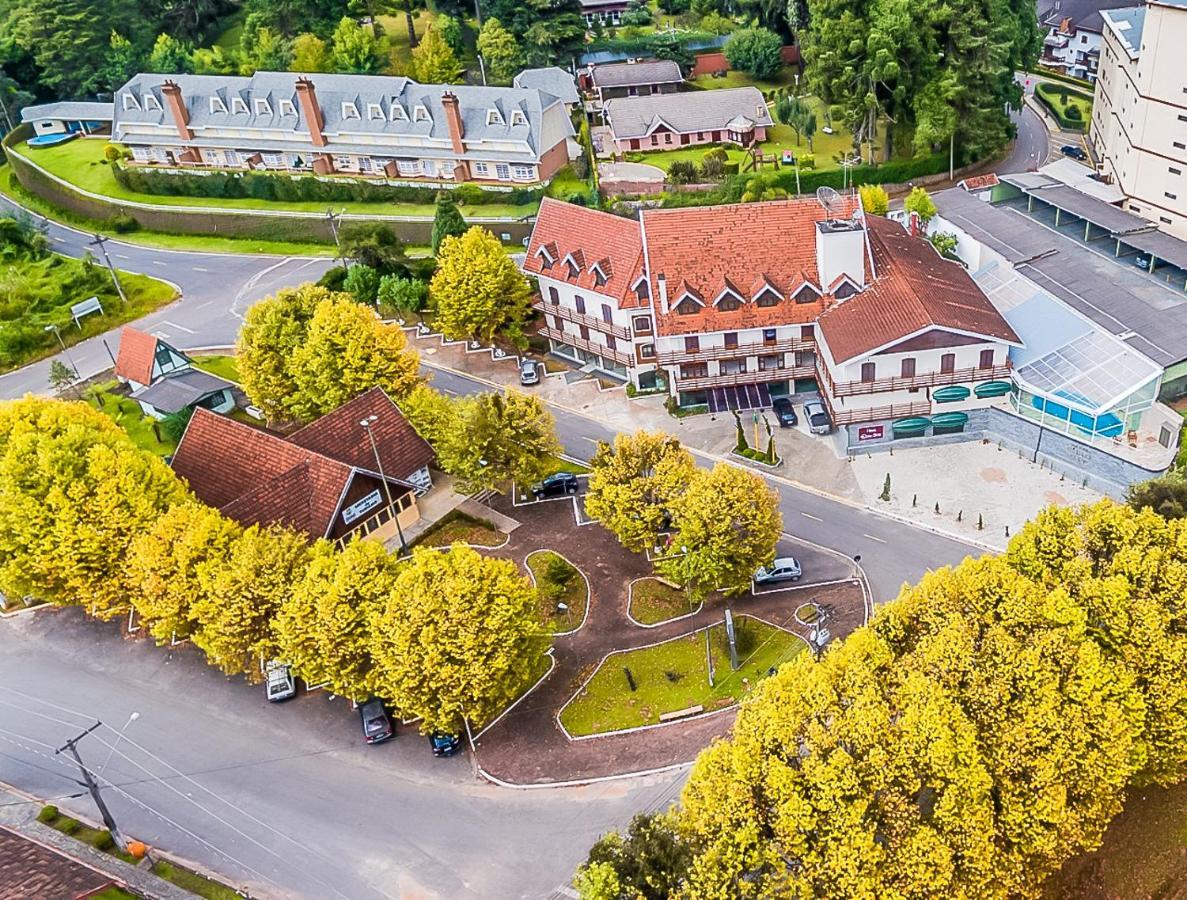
830 200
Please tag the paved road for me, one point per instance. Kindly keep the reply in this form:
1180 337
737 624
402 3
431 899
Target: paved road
216 289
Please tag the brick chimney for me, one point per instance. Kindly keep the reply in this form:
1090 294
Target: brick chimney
181 116
453 118
310 111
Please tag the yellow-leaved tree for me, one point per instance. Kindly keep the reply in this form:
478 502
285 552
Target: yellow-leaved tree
74 492
457 639
272 331
478 289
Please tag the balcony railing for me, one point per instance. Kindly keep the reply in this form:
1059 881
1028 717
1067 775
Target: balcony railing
716 381
571 315
786 345
601 350
874 413
929 379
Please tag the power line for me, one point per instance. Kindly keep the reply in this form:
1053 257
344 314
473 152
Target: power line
104 812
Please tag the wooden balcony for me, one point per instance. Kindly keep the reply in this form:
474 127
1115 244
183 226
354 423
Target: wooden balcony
928 379
571 315
786 345
874 413
719 381
573 340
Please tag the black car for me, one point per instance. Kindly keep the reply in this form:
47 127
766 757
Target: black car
1074 152
377 724
555 485
784 412
444 744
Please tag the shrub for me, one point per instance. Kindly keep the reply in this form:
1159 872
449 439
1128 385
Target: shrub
102 841
712 169
717 153
560 571
806 160
682 172
362 281
67 825
47 814
756 51
122 223
113 152
1072 111
333 278
729 168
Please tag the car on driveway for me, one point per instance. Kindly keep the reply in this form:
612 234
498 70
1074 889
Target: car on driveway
817 416
529 372
279 684
444 744
377 724
785 568
784 412
556 485
1074 152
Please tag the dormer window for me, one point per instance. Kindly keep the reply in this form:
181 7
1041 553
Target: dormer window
545 258
262 107
287 108
687 306
151 102
518 118
375 112
806 294
217 106
129 100
238 105
599 275
420 113
396 112
349 110
494 117
729 303
574 269
844 290
642 289
767 298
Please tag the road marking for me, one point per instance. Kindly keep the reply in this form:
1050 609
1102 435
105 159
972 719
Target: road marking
591 440
120 256
156 262
872 538
812 517
451 393
179 327
199 269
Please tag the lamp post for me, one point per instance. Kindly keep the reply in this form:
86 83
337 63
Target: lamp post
58 335
118 737
366 425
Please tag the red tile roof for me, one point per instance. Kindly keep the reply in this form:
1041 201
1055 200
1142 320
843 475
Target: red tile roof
708 248
138 351
915 288
31 869
256 477
589 236
980 182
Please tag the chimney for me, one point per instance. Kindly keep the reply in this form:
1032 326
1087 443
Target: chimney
662 283
181 115
310 111
840 250
453 118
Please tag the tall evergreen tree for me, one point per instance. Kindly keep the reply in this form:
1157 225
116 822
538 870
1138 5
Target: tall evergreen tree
447 220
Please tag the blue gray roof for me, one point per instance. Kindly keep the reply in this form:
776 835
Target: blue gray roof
551 80
69 111
1127 25
176 391
635 74
732 108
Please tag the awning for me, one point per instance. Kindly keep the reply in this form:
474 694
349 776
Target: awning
950 394
916 425
949 420
993 389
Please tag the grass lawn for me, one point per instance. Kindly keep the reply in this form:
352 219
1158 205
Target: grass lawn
218 364
671 676
127 414
558 581
79 162
653 602
193 882
232 34
735 79
458 526
565 183
1063 97
396 30
557 464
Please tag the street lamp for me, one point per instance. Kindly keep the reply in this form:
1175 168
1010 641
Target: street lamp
366 426
118 737
58 335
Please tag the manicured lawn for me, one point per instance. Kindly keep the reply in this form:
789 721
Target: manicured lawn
672 676
735 79
653 602
220 365
566 183
557 464
127 414
457 526
1062 97
558 581
232 33
79 162
396 30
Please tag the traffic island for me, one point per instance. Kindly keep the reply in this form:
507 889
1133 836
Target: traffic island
653 601
563 590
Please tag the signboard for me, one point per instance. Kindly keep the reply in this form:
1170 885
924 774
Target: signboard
90 305
361 507
870 432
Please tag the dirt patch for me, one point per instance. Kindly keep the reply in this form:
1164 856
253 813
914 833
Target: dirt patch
1054 498
993 475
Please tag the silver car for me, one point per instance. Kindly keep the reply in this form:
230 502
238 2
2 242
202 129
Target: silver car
817 416
529 372
785 568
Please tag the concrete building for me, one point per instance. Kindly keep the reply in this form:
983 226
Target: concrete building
373 126
1139 113
1072 39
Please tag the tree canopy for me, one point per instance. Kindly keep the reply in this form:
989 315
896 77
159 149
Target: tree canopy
477 289
756 51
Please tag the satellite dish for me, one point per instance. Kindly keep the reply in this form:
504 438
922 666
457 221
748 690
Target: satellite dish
829 199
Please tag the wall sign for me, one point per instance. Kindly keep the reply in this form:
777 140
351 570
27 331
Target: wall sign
870 433
361 507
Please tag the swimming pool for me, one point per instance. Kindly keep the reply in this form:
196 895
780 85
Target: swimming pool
49 140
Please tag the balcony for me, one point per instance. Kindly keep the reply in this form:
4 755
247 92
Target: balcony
571 315
928 379
874 413
787 345
573 340
718 381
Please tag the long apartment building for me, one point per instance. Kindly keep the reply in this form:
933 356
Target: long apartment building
1139 113
362 125
729 306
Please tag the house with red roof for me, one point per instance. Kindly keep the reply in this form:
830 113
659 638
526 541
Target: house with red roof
355 472
163 379
726 307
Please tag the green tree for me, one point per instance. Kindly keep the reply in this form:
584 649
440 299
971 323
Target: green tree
1166 495
433 60
363 282
272 331
500 51
263 50
597 881
356 49
173 426
401 295
633 486
310 54
451 32
62 377
874 199
756 51
797 113
649 863
169 55
447 221
477 289
457 639
213 61
123 61
920 203
728 522
376 245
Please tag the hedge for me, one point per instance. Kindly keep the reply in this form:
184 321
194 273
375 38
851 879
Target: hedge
272 186
1047 94
1068 79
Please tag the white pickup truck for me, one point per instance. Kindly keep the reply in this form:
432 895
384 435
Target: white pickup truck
280 684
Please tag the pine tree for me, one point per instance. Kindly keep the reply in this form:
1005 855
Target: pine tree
447 221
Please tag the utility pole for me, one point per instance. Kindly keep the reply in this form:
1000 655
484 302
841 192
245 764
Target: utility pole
93 787
101 242
333 218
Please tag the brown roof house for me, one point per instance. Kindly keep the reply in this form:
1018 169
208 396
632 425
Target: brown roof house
331 479
163 380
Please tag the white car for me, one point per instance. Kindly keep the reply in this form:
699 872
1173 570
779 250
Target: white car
817 416
785 568
280 684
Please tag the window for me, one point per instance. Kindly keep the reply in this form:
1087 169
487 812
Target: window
806 294
610 342
584 332
845 289
408 166
365 164
599 275
908 367
375 112
768 298
687 307
1174 171
642 289
574 269
262 107
1182 118
731 340
867 371
129 101
217 105
986 360
655 140
580 301
494 117
151 102
808 332
1170 196
273 160
769 363
641 324
502 172
554 295
518 118
607 314
286 108
694 370
768 335
1166 220
733 366
948 363
481 169
143 153
350 111
728 304
396 112
420 114
692 344
238 105
523 173
558 323
1179 145
647 351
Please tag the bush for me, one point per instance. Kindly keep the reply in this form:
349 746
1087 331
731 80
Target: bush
560 571
806 160
113 153
121 223
363 282
102 841
682 172
729 168
333 278
717 153
1072 111
756 51
67 825
47 814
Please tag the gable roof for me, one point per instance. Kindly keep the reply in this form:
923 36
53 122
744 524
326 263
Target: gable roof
915 289
652 71
593 237
1085 15
979 182
550 79
29 868
177 390
137 353
739 108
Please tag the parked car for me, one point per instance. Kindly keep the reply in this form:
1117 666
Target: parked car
1074 152
377 724
444 744
785 568
556 485
817 416
785 412
279 684
529 372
